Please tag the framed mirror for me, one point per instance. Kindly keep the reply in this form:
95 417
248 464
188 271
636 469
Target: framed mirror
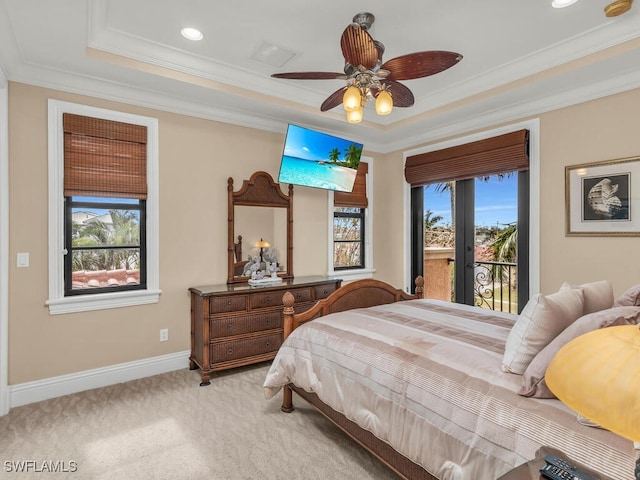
260 228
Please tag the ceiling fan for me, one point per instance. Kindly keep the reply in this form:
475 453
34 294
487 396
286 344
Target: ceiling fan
368 77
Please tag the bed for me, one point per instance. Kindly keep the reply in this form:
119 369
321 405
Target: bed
419 384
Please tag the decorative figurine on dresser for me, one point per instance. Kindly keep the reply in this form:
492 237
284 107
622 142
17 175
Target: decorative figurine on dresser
240 323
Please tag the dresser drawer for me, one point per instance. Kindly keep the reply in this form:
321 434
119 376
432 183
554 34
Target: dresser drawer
232 303
323 291
233 350
240 325
274 298
225 327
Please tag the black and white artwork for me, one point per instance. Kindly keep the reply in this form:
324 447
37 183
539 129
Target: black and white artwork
602 198
605 198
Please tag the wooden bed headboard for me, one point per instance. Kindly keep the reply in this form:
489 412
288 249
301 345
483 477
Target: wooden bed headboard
358 294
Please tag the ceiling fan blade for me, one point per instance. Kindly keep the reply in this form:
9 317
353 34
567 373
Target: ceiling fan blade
401 95
332 100
420 64
310 75
358 47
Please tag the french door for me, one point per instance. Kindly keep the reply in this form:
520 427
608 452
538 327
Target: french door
470 240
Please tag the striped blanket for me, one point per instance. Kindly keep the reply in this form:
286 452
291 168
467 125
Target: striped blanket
425 377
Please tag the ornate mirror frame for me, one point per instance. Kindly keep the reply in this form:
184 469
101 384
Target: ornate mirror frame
259 191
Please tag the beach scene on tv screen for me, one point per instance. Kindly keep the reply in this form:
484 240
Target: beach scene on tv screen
315 159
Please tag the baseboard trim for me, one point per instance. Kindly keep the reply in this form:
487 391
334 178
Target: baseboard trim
38 390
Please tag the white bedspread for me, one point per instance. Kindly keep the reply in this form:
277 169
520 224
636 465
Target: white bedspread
424 376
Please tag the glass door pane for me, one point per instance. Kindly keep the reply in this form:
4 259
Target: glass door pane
495 242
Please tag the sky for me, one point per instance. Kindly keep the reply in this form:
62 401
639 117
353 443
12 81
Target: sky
312 145
496 202
101 211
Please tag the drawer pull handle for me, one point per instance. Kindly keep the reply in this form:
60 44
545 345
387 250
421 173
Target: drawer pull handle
229 351
267 299
298 296
228 303
267 344
230 326
266 322
325 292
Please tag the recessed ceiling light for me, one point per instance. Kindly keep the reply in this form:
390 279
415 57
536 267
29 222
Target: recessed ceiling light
192 34
562 3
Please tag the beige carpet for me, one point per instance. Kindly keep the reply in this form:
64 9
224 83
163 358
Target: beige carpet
168 427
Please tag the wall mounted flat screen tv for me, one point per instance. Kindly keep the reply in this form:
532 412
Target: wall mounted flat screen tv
315 159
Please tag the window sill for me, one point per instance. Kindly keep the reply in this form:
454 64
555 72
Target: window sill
351 275
103 301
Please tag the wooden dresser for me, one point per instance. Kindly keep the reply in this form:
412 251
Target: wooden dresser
238 324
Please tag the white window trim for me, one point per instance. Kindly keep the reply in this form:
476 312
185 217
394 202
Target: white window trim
57 302
4 244
368 270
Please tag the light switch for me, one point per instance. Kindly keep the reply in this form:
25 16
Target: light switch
23 260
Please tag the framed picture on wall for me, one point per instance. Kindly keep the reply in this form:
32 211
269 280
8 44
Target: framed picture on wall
603 198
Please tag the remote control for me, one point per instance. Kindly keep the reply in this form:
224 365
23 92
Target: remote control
558 469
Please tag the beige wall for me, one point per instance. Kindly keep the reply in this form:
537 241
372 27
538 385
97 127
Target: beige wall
603 129
196 158
388 233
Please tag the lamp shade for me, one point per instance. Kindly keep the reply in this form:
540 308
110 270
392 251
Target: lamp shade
354 116
262 244
384 103
598 376
351 100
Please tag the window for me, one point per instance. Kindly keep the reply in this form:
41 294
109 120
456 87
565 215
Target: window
105 245
103 218
348 238
350 248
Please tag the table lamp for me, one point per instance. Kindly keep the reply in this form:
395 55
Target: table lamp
262 245
598 376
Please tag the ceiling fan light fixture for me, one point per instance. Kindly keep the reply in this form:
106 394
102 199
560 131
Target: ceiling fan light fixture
355 116
368 76
384 103
352 100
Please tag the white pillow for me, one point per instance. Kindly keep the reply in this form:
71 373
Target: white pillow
541 320
597 295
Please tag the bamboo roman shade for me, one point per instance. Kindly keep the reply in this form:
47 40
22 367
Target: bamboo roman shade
104 158
501 154
358 196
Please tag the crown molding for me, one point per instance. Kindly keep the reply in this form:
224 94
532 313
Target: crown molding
379 139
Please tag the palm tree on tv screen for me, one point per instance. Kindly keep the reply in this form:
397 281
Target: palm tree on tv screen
352 155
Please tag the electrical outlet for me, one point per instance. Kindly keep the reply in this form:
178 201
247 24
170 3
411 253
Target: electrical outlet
164 334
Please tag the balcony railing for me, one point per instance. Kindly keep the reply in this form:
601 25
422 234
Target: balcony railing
495 286
495 283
